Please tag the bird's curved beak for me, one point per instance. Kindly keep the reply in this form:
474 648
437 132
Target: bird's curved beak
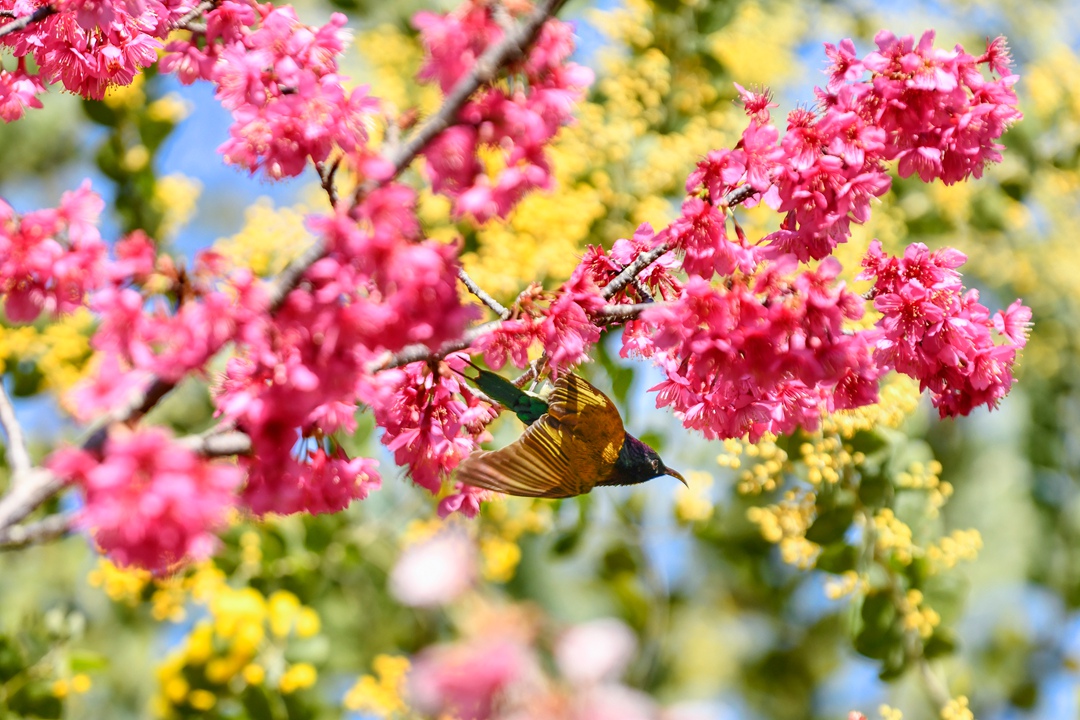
672 473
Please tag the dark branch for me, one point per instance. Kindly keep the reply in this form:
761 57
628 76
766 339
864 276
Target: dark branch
22 23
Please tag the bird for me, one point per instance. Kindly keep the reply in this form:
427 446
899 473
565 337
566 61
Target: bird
574 441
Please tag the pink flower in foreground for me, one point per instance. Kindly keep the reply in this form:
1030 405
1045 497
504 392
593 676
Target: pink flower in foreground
465 499
150 502
434 571
466 680
595 651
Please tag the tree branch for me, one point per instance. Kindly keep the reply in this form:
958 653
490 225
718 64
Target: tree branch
44 530
24 497
935 686
476 290
22 23
631 271
513 45
17 455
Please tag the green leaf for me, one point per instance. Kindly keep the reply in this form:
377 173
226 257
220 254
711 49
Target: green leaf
831 525
880 635
837 558
100 113
566 542
617 561
12 661
36 699
256 703
942 642
86 661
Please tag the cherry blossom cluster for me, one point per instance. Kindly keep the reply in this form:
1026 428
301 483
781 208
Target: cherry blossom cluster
514 122
279 79
50 259
935 332
149 501
763 354
300 372
929 109
431 420
771 348
88 47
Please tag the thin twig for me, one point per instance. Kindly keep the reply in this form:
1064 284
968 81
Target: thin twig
935 686
622 313
326 179
631 271
479 292
483 71
21 24
200 9
17 455
44 530
218 442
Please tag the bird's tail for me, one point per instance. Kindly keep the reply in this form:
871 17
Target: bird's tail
527 407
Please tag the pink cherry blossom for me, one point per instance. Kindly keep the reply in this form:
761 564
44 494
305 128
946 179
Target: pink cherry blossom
434 571
150 502
940 335
50 259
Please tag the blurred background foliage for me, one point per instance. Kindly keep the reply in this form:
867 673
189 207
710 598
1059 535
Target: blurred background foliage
890 563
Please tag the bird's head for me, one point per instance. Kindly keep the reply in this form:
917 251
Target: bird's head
638 462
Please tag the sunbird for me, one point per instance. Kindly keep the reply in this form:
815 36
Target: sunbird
574 441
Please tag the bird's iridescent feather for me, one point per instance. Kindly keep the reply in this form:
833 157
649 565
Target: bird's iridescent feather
564 453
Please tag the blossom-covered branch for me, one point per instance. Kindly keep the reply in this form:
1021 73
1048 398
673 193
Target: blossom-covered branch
135 380
750 339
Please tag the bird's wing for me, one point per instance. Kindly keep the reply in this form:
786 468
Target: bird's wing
564 453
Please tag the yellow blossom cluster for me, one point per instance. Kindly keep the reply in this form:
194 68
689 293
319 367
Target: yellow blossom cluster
897 400
957 546
59 350
890 713
381 693
917 617
270 239
825 458
120 584
78 684
392 60
176 196
957 709
241 643
505 522
769 463
694 502
846 583
892 536
786 523
927 476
